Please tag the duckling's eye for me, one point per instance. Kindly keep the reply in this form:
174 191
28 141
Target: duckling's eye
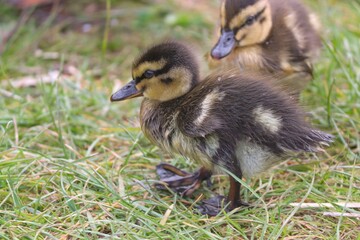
149 74
250 20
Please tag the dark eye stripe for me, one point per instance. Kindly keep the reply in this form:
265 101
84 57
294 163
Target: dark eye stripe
256 16
165 69
167 80
138 80
262 19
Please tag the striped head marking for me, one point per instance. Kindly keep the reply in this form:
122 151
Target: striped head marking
164 72
243 23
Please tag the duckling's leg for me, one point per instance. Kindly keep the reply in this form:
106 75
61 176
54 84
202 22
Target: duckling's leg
181 181
213 206
234 195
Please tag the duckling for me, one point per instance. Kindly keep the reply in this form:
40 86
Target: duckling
273 36
227 120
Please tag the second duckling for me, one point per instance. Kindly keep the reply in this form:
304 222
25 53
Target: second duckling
231 121
273 36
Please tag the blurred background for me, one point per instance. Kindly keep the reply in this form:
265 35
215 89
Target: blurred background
75 166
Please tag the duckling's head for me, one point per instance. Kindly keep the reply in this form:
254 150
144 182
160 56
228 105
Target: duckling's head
164 72
243 23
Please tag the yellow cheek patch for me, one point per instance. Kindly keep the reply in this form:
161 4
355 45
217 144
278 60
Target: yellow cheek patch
157 90
251 10
155 65
141 85
249 36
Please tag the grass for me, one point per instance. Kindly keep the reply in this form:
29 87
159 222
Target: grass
74 166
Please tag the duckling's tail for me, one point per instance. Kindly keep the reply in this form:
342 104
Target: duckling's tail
308 140
319 139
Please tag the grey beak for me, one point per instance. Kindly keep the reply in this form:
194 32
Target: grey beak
224 46
126 92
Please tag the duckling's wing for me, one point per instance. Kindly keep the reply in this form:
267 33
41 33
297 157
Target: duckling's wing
198 125
200 116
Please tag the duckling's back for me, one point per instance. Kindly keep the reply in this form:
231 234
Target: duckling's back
295 35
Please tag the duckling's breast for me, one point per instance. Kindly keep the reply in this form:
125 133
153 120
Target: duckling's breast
250 57
159 124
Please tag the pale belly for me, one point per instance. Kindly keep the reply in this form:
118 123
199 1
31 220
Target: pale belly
253 159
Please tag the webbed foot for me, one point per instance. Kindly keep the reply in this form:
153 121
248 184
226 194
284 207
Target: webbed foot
181 181
213 206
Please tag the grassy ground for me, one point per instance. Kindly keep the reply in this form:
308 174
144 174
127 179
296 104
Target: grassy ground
75 166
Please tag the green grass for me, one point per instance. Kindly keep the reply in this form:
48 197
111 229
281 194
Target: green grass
75 166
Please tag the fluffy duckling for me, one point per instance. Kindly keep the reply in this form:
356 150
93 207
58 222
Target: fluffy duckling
227 120
280 37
